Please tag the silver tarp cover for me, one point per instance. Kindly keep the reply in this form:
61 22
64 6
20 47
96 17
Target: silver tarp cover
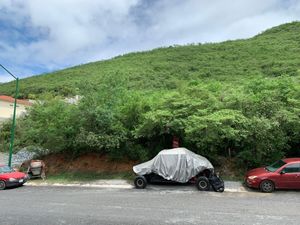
177 164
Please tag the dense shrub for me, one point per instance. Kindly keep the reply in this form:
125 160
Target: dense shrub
255 123
238 99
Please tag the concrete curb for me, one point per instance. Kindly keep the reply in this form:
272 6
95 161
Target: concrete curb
241 190
230 187
120 186
235 186
114 183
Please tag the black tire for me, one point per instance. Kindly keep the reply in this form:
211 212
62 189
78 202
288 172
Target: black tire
140 182
203 184
267 186
2 185
29 175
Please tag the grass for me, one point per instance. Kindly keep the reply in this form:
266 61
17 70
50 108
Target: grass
90 177
271 53
236 96
84 177
233 178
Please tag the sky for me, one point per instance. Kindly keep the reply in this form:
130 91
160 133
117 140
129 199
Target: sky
43 36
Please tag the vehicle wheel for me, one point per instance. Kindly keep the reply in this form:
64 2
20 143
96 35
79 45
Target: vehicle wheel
202 184
2 185
267 186
140 182
29 175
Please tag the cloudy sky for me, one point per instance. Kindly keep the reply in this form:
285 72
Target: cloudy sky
42 36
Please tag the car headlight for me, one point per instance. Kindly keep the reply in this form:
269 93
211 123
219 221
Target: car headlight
12 180
252 177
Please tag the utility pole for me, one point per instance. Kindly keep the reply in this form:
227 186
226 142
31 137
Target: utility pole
12 134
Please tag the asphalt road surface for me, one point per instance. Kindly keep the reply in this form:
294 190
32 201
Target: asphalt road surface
155 205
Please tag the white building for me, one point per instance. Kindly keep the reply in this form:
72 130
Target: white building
7 107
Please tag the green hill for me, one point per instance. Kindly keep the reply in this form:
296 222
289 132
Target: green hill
273 53
238 99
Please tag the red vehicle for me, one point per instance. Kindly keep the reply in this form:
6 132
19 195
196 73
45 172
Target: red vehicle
283 174
10 178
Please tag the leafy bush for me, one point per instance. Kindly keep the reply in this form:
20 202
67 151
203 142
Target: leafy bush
238 99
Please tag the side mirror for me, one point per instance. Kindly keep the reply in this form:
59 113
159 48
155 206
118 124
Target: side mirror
282 172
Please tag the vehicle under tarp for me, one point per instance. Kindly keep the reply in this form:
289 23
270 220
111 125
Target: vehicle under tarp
177 164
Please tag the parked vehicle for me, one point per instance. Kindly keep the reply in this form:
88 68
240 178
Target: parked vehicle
36 169
178 165
283 174
10 178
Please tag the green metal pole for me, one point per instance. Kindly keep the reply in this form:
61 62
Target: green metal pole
12 136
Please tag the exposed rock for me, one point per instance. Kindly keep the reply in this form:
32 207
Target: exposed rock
18 158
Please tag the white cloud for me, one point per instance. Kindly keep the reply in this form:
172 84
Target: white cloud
5 78
48 35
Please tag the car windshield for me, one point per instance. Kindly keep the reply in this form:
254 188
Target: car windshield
5 169
275 166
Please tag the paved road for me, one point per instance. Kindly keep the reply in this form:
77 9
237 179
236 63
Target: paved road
156 205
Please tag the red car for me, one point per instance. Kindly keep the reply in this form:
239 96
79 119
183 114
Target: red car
283 174
10 178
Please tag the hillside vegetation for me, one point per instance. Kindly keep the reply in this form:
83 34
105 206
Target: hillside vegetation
236 99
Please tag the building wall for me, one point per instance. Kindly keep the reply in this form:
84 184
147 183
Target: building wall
7 109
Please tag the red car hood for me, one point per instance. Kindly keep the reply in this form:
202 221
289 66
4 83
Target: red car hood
257 172
16 175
